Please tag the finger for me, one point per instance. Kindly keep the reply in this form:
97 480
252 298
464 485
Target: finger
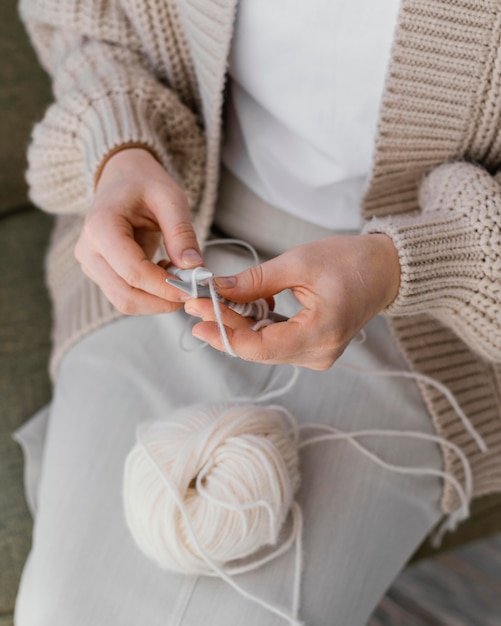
311 359
171 209
284 342
203 308
126 299
112 238
261 281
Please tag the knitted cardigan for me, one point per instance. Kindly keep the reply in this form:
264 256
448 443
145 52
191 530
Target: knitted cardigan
152 72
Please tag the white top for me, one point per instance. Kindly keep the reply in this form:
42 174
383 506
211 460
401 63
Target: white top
306 83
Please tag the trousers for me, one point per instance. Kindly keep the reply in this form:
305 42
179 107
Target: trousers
361 521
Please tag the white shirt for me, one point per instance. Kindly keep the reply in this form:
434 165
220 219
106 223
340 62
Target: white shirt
306 83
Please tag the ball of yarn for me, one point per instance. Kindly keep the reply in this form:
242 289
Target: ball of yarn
217 480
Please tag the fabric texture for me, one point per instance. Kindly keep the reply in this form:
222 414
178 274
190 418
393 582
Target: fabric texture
303 98
122 68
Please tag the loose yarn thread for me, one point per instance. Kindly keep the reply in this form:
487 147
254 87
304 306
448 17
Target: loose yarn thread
213 487
215 484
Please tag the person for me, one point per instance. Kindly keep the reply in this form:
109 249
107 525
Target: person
129 157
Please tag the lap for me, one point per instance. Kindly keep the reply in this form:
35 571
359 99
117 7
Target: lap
361 522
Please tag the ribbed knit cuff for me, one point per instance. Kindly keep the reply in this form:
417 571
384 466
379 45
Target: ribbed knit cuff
450 255
78 133
135 118
438 260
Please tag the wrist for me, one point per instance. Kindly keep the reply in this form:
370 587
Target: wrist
389 261
124 156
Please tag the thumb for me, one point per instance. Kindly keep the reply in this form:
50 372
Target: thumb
173 214
259 281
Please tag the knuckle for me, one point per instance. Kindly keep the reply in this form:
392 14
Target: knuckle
92 225
255 277
170 193
78 251
251 349
177 196
253 357
298 260
124 303
258 355
132 276
121 296
183 230
84 259
85 269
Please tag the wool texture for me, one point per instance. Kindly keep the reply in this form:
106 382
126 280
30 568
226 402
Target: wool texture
216 481
153 72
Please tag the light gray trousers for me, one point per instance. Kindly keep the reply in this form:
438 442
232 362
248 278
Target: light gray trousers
361 522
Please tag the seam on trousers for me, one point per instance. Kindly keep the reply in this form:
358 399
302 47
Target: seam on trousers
183 600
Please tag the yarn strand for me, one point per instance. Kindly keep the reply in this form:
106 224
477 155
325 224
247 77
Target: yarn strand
235 242
217 312
463 494
445 391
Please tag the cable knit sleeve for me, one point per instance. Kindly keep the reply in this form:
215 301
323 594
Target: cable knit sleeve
106 95
450 255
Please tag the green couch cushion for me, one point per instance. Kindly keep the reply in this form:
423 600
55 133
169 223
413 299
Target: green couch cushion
485 520
24 382
24 94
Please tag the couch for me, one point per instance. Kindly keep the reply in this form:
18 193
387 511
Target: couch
25 309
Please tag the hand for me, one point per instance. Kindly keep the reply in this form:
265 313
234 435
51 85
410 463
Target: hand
136 203
341 282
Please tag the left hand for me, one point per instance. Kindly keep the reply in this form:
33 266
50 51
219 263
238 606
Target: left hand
136 204
341 282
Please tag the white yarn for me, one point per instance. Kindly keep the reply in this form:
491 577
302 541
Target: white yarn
445 391
234 469
219 319
235 242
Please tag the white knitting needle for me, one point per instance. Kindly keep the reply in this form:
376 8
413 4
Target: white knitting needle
202 273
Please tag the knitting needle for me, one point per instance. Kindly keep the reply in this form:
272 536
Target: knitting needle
202 273
257 310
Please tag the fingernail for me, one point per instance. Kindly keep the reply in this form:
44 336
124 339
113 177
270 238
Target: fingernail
225 282
192 309
191 257
196 333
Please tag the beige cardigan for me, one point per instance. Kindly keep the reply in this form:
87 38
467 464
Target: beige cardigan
153 72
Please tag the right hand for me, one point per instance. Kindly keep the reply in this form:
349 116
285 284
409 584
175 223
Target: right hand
341 282
136 203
